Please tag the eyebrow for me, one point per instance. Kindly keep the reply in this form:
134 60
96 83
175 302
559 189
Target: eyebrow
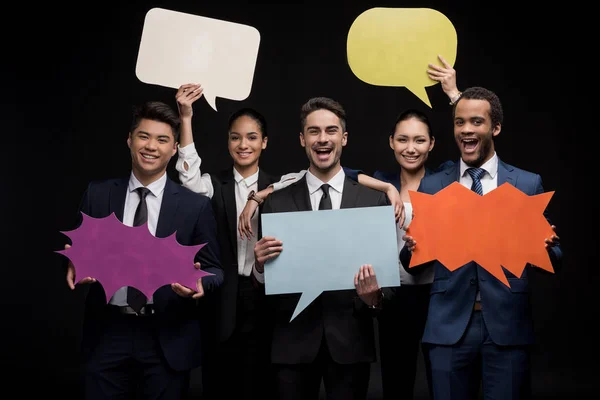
249 133
149 134
326 128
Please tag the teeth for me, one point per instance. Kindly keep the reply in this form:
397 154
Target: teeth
149 156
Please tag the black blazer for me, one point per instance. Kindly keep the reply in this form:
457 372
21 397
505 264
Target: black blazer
188 214
223 202
339 317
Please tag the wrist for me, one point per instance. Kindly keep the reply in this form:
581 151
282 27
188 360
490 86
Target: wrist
454 97
253 196
377 300
260 268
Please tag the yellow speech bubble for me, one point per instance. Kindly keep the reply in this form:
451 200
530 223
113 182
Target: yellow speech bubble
393 46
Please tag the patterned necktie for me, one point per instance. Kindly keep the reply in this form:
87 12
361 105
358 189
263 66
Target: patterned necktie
325 203
476 174
135 298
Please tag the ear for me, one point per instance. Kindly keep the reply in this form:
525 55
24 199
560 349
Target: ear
432 143
497 129
129 140
175 144
344 138
264 142
302 142
391 142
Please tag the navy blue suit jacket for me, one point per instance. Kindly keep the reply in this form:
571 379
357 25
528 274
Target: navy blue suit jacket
188 214
506 311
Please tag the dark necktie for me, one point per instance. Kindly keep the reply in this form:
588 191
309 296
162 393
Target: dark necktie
135 298
476 174
325 203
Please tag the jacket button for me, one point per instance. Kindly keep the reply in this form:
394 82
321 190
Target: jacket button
473 281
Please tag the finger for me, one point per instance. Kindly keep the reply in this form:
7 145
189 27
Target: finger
356 280
371 270
67 246
197 265
444 61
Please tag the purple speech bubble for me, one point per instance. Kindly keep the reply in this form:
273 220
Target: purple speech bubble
118 255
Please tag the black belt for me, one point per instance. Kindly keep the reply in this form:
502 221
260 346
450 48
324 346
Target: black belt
145 311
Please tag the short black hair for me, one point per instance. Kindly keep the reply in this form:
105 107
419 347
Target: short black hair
156 111
479 93
322 103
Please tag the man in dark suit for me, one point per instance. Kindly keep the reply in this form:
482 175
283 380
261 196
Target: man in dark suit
477 327
146 349
332 339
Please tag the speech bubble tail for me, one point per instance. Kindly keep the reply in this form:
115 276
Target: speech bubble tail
211 100
305 299
421 93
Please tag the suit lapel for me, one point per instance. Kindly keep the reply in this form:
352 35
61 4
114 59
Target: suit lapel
228 193
505 174
301 196
452 174
168 209
117 198
350 194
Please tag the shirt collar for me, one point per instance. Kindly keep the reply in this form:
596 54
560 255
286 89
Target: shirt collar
490 166
251 180
156 187
314 183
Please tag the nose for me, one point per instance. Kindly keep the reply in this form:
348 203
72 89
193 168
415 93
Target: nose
244 143
151 144
323 137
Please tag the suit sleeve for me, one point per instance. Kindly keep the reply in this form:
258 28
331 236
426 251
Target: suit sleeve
352 173
208 256
554 252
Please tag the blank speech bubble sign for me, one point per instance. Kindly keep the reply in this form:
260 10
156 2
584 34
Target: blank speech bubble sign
322 250
393 46
178 48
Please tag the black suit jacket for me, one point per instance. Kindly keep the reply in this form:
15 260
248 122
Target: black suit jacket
223 202
188 214
339 317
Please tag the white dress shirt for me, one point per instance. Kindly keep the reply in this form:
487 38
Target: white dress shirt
132 199
335 191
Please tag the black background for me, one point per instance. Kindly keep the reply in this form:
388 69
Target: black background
69 85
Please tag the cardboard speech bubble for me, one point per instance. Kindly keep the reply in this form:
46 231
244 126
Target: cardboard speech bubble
504 228
178 48
118 255
393 46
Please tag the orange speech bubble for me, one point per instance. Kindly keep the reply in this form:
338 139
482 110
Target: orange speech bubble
504 228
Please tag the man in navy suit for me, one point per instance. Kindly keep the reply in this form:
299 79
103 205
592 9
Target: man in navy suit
148 352
478 329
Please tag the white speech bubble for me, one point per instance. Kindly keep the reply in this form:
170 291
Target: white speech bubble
178 48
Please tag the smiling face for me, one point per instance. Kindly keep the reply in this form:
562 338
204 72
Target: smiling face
411 143
152 144
323 138
245 144
474 131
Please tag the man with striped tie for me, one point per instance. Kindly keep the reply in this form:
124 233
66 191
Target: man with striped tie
479 330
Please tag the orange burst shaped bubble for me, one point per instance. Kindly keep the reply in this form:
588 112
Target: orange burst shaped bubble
504 228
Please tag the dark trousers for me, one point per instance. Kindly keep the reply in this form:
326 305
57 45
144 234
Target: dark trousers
457 370
127 363
341 381
401 325
239 367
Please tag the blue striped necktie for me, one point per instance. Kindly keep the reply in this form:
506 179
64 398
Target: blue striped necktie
476 174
